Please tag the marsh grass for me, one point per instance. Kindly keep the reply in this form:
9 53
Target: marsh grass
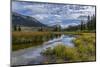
62 53
86 46
84 50
22 40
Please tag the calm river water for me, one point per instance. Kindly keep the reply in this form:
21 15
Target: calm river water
32 55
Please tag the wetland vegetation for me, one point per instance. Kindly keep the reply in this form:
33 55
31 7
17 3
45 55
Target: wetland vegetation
51 33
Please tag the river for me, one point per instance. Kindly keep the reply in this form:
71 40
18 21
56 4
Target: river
33 55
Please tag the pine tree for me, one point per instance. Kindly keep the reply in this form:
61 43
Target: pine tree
19 28
15 28
82 26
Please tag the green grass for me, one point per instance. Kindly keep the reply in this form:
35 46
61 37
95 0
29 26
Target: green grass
86 46
22 40
62 53
84 49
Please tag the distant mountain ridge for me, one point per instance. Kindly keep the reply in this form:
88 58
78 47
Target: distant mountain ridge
22 20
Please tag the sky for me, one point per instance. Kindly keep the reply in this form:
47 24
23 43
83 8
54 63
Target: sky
52 14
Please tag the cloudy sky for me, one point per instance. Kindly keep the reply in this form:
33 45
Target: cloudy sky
51 14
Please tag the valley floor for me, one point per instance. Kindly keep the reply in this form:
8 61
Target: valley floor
84 50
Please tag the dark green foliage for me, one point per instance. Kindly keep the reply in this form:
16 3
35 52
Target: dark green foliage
57 28
90 25
19 28
15 28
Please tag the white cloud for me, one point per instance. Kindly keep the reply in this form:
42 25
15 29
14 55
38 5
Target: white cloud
52 13
40 16
66 25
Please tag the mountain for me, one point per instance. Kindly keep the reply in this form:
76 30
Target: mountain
65 23
22 20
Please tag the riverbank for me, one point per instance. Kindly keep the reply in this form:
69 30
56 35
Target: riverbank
84 50
22 40
59 53
33 55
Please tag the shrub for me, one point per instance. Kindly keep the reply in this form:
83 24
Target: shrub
58 50
62 52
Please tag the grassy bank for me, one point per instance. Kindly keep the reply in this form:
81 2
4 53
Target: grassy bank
22 40
86 46
84 50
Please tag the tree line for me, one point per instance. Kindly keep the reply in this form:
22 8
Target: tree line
16 28
89 25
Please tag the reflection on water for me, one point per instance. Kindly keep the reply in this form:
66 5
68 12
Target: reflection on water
64 40
33 41
34 53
